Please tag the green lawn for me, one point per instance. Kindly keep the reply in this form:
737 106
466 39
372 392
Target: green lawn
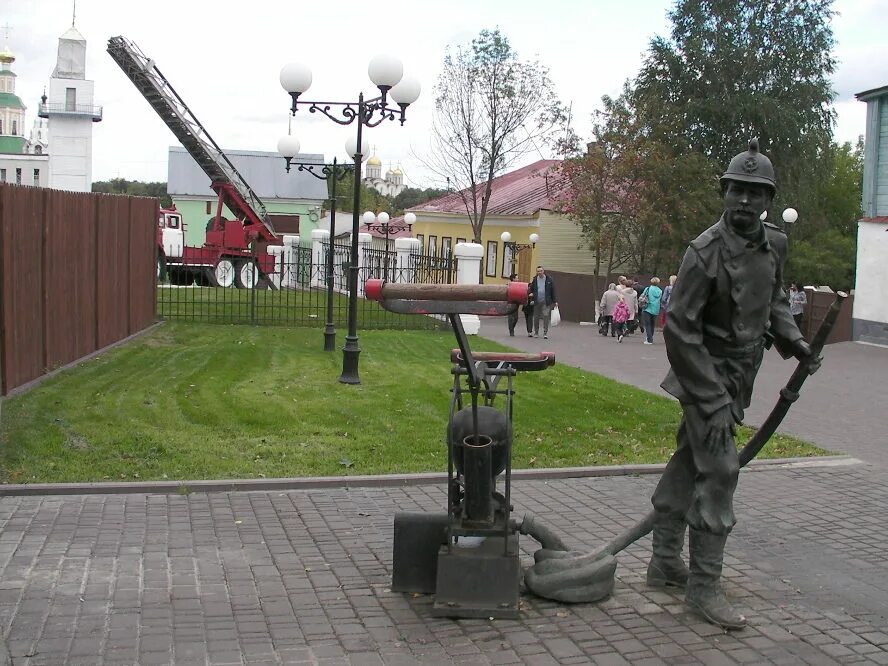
191 401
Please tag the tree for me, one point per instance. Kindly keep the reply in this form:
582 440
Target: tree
736 69
824 241
414 196
490 109
637 201
134 188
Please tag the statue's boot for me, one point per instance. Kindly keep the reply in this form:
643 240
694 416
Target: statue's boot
705 595
666 568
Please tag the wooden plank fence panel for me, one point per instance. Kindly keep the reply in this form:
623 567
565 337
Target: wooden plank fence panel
112 269
23 329
70 303
143 225
76 274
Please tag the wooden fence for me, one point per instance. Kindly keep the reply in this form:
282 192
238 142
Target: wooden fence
77 273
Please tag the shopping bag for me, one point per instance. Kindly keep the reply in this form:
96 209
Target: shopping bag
556 317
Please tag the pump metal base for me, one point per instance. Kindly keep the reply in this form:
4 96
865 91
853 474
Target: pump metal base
478 578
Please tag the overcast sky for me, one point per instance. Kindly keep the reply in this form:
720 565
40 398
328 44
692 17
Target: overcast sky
224 57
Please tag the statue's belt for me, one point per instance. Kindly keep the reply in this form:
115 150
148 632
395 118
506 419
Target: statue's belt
727 349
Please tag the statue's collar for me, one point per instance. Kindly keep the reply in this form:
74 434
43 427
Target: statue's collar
737 244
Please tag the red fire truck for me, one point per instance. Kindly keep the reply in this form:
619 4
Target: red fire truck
235 252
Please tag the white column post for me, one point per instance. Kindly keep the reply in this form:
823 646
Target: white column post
277 251
363 243
403 249
318 256
468 271
291 243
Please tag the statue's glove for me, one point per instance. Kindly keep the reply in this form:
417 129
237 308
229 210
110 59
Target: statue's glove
805 355
721 431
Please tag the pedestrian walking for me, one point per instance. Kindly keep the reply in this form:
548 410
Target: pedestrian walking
543 289
513 317
608 303
650 305
631 297
621 316
798 299
664 300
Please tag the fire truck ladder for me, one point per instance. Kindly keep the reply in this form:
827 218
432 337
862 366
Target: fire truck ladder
225 178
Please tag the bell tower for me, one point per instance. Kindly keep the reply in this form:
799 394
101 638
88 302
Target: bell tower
71 112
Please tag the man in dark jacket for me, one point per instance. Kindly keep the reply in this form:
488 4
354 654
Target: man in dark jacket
542 290
727 303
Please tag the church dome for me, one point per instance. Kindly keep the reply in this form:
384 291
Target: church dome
374 161
6 55
398 172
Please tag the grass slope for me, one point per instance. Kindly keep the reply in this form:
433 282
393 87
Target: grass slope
194 401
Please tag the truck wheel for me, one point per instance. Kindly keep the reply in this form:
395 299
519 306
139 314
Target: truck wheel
224 273
161 268
247 275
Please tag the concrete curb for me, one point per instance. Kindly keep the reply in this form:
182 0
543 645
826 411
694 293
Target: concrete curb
371 481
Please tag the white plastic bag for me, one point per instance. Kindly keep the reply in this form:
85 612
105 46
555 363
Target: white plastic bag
555 317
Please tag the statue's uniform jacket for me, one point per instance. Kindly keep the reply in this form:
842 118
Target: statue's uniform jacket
727 300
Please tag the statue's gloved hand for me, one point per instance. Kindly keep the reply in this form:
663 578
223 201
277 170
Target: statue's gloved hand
720 436
805 354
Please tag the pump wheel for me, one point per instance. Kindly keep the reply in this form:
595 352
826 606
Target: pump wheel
224 272
247 274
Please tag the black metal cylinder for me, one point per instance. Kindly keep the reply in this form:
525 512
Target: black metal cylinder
479 479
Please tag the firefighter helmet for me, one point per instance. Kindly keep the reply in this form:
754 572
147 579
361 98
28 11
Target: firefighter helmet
751 166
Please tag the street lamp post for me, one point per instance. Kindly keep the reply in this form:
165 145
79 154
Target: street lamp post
385 227
387 74
508 243
790 215
288 146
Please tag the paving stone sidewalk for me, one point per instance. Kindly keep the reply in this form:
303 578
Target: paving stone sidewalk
302 577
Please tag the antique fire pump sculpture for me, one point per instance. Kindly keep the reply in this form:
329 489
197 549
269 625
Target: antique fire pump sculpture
468 556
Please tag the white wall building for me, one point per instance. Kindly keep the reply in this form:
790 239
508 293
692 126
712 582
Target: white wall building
71 112
870 316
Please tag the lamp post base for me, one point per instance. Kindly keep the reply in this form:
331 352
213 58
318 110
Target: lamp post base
329 338
350 361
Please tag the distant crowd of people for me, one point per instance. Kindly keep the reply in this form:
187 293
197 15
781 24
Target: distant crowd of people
627 306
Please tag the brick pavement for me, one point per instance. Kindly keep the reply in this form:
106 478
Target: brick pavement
303 577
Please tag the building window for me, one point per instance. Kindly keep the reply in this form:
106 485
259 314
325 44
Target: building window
14 128
508 258
1 126
36 177
70 99
491 258
18 176
460 240
446 246
38 150
209 207
433 246
2 175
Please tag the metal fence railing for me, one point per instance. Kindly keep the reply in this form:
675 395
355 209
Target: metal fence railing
294 292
